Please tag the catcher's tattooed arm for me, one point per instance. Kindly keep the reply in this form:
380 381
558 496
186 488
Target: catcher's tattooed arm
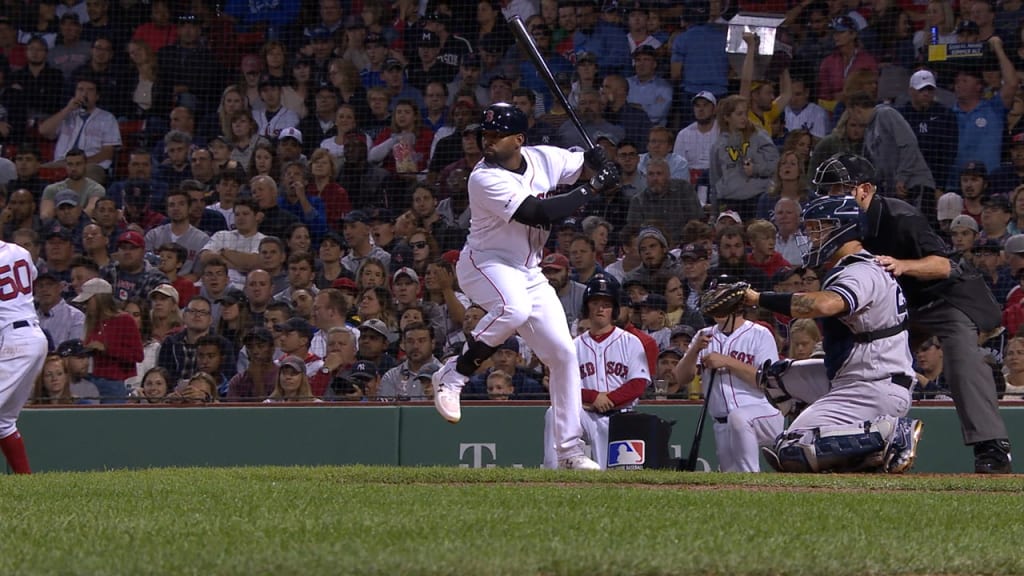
800 305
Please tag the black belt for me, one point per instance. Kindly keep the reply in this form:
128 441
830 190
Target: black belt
902 380
722 420
21 324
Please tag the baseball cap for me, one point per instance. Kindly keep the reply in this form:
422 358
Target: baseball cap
132 237
922 79
258 334
362 370
499 77
333 237
569 222
48 276
91 288
290 132
293 362
989 245
427 371
73 347
391 64
586 57
471 129
673 350
58 232
732 214
606 136
428 39
376 326
693 251
1014 244
166 290
949 206
704 94
785 273
343 283
683 330
373 38
471 60
381 215
998 201
72 17
357 216
965 221
296 324
268 80
510 343
563 78
651 232
843 24
644 50
407 272
233 296
66 197
653 301
319 33
975 168
556 261
1017 138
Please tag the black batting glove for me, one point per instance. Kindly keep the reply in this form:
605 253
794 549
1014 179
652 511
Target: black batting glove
595 158
606 178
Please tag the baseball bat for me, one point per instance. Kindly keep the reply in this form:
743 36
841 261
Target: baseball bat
526 42
691 462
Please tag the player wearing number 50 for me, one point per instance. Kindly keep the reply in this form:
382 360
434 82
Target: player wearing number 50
730 353
22 348
613 371
499 268
859 423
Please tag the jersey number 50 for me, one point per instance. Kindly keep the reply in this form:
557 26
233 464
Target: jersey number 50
15 280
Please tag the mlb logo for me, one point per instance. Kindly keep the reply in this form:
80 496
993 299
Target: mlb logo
627 454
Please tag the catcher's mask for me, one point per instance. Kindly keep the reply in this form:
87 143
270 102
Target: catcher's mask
829 222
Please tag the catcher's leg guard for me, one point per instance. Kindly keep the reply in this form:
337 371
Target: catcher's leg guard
638 441
836 449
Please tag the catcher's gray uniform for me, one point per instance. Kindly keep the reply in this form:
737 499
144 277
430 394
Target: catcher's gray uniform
870 368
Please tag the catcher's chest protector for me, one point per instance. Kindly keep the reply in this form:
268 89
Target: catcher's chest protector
638 441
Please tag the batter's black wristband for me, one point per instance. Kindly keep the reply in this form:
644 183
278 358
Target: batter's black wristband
778 302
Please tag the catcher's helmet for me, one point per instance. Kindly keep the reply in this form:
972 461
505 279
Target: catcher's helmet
830 222
843 168
504 119
601 285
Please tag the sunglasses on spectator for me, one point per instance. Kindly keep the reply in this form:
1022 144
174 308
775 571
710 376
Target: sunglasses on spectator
418 245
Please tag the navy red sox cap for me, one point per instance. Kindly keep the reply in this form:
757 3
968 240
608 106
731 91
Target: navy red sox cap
504 118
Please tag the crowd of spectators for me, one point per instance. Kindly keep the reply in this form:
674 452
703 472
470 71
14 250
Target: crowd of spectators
265 201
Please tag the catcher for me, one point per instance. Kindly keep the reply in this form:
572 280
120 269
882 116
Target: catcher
729 354
858 422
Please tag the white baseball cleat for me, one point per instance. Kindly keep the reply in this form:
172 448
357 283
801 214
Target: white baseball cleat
579 462
447 393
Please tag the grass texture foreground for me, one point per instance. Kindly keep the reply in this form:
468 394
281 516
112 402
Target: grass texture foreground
363 520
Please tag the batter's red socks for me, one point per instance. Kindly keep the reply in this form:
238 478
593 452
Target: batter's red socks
14 450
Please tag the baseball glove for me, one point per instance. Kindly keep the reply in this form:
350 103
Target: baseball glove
723 299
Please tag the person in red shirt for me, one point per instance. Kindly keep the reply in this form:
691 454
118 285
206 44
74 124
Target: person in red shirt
113 337
762 235
172 257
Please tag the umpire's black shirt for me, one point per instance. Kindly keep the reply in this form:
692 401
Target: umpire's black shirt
894 228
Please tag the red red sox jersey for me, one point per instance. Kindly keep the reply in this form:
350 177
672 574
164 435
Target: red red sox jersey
751 344
496 193
610 361
17 276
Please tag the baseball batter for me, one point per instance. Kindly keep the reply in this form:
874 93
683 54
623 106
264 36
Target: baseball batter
499 268
613 371
732 350
859 424
22 348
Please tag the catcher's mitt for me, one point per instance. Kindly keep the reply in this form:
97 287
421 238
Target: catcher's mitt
723 299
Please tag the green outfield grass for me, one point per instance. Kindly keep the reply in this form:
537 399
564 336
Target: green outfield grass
362 520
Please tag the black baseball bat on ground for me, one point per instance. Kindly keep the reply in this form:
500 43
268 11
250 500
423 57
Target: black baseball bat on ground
527 44
690 464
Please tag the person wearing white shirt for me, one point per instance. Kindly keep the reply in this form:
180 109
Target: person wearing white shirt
275 117
58 318
694 142
802 114
81 124
239 247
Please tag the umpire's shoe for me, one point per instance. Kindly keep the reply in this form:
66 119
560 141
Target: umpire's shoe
992 457
903 448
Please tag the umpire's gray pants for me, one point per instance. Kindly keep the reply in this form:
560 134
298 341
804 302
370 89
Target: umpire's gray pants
969 377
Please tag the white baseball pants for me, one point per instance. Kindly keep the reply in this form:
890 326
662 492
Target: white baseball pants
22 353
521 300
595 434
739 438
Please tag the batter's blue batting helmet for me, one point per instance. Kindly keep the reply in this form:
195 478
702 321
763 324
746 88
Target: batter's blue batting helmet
830 222
601 285
504 119
843 168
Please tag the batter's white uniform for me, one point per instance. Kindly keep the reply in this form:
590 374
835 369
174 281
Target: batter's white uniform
499 269
22 342
744 419
605 365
